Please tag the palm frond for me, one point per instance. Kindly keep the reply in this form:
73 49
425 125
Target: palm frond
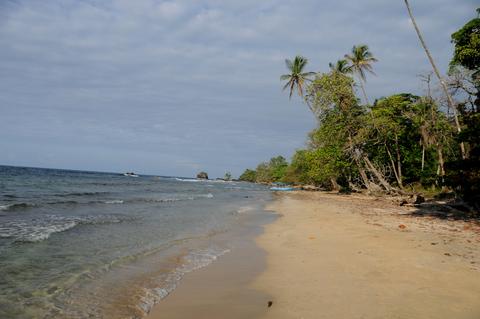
289 64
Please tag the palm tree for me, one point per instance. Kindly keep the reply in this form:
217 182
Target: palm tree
297 77
361 61
341 66
450 102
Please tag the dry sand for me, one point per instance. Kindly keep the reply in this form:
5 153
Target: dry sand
340 257
333 256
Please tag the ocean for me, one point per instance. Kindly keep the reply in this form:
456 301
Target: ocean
77 244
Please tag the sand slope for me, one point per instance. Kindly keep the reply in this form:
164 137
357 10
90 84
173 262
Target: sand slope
332 256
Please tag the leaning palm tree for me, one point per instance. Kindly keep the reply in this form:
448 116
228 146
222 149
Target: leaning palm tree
341 66
297 77
450 102
361 60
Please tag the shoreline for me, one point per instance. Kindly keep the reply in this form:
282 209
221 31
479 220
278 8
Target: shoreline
339 256
222 289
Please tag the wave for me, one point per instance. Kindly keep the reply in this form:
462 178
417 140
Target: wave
30 231
78 194
244 209
16 206
24 206
193 261
114 201
189 180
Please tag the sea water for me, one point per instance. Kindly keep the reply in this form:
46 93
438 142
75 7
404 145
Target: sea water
77 244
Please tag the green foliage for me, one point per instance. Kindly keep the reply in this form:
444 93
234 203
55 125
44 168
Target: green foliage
464 174
403 128
402 140
267 172
467 45
277 168
332 90
228 176
249 175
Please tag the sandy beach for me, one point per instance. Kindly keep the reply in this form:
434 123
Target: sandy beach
333 256
340 256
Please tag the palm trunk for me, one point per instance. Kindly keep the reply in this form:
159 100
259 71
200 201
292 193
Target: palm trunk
450 102
441 162
364 92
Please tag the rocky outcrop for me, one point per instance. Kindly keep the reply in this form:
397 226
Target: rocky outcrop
202 175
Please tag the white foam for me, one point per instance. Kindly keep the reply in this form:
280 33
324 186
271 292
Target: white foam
244 209
193 261
115 201
188 179
40 229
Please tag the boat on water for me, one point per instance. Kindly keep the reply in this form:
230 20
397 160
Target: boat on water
130 174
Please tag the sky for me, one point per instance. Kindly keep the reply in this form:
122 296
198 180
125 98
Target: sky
175 87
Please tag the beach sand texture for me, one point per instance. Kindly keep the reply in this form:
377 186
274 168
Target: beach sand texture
340 257
333 256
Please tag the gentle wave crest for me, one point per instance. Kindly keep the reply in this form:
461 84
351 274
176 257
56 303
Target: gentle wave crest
23 206
30 231
193 261
16 206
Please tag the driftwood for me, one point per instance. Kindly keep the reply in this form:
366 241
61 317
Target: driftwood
310 188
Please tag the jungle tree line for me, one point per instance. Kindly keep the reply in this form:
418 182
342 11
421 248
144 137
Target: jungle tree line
396 142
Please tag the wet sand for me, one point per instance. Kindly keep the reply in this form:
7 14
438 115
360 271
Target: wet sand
222 289
338 256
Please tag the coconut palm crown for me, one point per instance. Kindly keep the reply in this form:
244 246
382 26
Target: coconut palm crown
297 77
361 60
341 66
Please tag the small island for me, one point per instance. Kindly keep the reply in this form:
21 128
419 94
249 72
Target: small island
202 175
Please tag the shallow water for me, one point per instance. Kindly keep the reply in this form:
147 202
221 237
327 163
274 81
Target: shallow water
81 244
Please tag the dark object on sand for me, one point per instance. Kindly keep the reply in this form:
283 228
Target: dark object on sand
270 303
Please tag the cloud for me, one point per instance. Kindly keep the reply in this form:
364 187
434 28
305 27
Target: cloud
168 87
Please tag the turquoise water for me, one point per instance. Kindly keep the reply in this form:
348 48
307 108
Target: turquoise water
96 245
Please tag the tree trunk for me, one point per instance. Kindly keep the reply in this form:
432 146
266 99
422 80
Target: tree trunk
334 183
399 163
394 167
450 102
441 162
423 156
356 157
377 174
364 92
361 170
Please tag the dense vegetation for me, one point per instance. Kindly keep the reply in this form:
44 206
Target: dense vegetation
398 143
